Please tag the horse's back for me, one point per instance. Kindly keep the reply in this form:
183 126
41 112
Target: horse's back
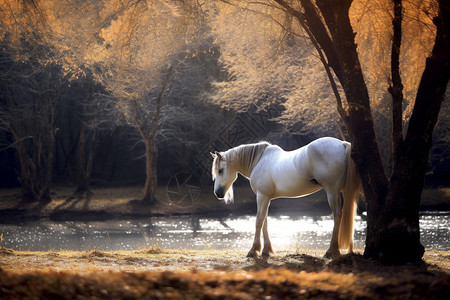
323 161
326 149
277 174
327 160
302 171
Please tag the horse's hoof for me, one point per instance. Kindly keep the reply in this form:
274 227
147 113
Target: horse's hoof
265 254
252 254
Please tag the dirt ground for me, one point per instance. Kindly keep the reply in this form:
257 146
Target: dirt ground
175 274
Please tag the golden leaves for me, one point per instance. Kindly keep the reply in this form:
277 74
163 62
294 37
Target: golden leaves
266 65
372 20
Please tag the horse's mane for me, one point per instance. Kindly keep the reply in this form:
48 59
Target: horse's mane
215 166
245 157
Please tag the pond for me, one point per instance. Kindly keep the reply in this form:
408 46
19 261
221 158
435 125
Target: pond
199 233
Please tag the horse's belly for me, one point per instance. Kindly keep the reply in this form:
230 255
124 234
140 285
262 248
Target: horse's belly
295 187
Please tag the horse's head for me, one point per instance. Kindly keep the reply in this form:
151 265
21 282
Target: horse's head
223 176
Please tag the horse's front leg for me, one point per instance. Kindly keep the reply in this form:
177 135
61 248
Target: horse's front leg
262 206
267 249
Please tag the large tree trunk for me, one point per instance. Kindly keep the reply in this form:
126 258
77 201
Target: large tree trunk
148 131
358 119
28 175
35 161
46 161
393 234
85 160
81 161
151 153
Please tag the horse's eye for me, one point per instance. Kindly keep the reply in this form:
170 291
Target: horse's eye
220 171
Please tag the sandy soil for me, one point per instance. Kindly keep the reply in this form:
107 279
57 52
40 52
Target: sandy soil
168 274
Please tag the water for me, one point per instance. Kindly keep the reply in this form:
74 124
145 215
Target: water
286 232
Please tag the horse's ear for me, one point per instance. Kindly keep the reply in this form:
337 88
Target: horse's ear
218 155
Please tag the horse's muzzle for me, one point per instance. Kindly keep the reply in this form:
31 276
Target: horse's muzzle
219 193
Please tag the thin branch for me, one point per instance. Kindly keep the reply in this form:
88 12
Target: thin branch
160 101
16 142
319 48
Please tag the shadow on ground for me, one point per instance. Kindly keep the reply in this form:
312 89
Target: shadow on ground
162 274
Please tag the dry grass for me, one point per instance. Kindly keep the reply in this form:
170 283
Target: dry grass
187 274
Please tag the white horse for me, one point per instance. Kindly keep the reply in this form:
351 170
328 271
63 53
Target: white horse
274 173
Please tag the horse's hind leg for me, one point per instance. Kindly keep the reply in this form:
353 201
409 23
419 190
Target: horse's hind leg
335 204
263 205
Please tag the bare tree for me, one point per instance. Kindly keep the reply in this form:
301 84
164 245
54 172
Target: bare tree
96 116
129 47
32 94
141 51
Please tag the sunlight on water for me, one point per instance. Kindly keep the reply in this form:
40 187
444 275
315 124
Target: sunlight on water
286 232
435 230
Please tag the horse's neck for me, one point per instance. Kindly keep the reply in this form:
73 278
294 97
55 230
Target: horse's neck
243 167
246 157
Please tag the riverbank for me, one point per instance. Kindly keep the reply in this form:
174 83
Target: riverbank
192 274
182 274
123 202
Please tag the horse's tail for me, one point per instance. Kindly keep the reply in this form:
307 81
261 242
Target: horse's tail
350 192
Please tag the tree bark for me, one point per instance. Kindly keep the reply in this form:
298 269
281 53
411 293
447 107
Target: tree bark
46 161
151 179
360 125
34 159
396 234
85 162
90 159
148 134
396 87
393 234
81 162
149 190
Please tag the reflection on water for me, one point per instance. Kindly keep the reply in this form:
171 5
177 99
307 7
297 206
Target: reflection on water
287 233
